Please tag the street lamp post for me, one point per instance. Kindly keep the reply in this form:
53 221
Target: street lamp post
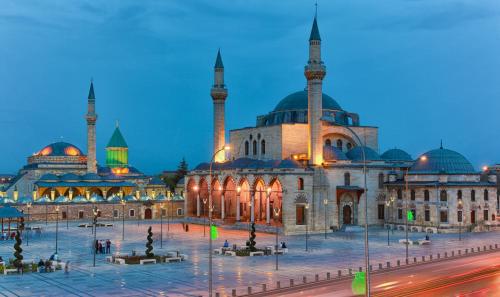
57 225
122 202
204 218
461 219
307 228
28 205
389 204
161 226
325 203
406 213
94 222
210 209
276 211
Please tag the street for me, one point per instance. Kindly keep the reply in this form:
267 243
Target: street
467 276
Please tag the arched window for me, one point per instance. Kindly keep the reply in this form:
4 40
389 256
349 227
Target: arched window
459 194
473 195
380 180
412 194
254 147
347 179
426 195
263 147
349 146
339 143
246 148
443 196
486 198
328 142
300 184
400 194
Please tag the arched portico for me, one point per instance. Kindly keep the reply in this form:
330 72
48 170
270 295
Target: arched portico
229 190
245 200
192 195
259 200
216 199
275 201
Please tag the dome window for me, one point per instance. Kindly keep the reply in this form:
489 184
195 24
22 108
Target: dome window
339 143
254 147
246 148
328 142
263 147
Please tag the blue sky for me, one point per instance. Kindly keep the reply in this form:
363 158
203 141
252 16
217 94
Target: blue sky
420 70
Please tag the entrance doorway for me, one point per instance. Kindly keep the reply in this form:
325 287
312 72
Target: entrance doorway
347 214
148 214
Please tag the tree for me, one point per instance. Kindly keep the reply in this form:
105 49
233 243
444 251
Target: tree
149 244
182 170
18 262
252 239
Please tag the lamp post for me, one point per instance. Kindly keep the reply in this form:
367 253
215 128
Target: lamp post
388 203
325 204
204 218
57 225
161 226
28 205
210 205
70 196
168 217
307 228
276 211
94 222
461 219
406 212
122 202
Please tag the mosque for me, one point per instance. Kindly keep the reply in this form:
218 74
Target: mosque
61 174
310 165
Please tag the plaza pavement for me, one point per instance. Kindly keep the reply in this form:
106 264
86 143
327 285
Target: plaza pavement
189 278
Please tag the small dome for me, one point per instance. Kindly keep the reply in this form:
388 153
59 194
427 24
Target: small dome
24 200
396 154
91 177
298 101
96 198
61 199
59 149
70 177
129 198
161 197
43 199
442 161
114 198
79 199
156 181
49 177
356 154
331 153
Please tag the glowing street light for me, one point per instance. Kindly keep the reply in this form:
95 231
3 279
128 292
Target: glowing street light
325 204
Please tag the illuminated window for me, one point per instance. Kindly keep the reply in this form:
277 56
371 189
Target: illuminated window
328 142
71 151
46 151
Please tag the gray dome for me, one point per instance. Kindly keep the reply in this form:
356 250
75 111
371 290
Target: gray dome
49 177
396 155
442 161
356 154
298 101
333 153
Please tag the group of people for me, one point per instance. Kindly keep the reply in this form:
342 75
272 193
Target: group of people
6 236
101 248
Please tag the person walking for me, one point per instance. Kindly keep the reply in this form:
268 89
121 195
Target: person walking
96 246
108 246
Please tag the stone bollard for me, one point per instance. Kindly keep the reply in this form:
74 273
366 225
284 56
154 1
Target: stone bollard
233 293
316 278
304 279
371 267
445 254
484 248
453 253
423 258
340 273
414 259
439 256
430 257
264 287
398 263
478 249
350 271
278 285
389 264
466 251
491 247
217 294
291 282
379 265
249 290
328 275
496 245
459 252
360 269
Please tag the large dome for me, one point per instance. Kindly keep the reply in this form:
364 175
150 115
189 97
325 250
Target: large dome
298 101
442 161
59 149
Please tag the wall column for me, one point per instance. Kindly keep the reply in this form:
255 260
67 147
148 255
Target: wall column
198 204
268 209
222 207
238 207
252 207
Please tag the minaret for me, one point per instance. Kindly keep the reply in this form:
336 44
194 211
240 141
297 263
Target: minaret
91 120
219 94
315 72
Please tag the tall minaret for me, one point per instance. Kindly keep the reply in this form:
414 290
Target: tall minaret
91 120
315 72
219 94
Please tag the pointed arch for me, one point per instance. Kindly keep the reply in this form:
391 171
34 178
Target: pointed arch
216 189
192 194
276 200
229 191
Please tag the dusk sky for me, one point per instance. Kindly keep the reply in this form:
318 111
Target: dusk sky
420 70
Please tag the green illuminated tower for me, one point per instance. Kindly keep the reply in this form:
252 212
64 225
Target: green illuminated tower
117 151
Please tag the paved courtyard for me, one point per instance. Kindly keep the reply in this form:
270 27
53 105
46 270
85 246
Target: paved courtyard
189 278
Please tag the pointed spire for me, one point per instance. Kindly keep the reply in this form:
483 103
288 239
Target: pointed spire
117 139
91 91
441 146
315 31
218 61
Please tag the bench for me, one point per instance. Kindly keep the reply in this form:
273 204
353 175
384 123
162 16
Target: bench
173 259
404 241
11 270
146 261
120 261
279 252
218 251
184 257
256 254
230 253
